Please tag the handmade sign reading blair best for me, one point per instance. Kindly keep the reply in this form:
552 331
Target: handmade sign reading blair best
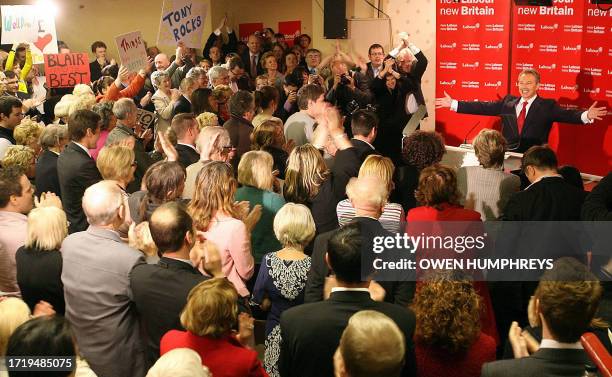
67 70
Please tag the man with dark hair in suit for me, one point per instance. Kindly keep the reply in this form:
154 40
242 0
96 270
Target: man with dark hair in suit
11 114
76 169
526 120
242 111
565 302
311 332
160 290
183 105
186 129
364 125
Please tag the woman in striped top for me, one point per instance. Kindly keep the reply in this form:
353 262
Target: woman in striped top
381 168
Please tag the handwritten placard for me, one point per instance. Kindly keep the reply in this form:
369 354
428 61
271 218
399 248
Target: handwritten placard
132 51
67 70
182 21
32 24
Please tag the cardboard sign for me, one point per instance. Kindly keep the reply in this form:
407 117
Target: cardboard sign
290 30
132 51
30 24
244 30
67 70
182 21
146 118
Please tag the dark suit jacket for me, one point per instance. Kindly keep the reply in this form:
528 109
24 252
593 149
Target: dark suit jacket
182 105
400 293
187 155
363 149
46 174
246 59
547 362
540 117
239 130
76 171
311 333
160 293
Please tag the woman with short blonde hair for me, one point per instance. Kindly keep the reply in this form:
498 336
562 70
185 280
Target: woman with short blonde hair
382 169
39 261
257 180
28 133
487 188
208 318
213 212
23 157
14 312
117 163
281 280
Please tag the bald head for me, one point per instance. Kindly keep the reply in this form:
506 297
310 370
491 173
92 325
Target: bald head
171 227
254 44
161 62
367 195
102 203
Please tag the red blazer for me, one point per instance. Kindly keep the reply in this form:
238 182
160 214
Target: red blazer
225 357
434 362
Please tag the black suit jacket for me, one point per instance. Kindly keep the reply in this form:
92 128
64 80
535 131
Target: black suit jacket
311 333
540 117
182 105
186 155
46 174
547 362
400 293
363 149
76 171
160 293
246 59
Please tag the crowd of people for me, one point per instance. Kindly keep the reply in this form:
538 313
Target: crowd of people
227 238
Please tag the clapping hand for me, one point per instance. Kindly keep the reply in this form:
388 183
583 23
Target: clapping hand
251 218
246 325
444 102
596 112
207 256
43 308
167 147
47 199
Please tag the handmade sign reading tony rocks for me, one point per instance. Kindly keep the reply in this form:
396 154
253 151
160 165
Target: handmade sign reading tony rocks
182 21
67 70
132 51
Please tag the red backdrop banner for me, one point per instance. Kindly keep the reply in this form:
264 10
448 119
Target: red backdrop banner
244 30
570 44
290 29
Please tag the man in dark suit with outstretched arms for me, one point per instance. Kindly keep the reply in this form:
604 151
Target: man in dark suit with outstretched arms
526 120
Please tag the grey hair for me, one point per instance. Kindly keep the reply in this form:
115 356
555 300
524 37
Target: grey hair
186 83
216 71
211 141
101 202
123 107
157 77
52 135
196 72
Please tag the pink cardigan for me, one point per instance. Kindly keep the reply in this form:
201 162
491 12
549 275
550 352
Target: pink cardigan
234 243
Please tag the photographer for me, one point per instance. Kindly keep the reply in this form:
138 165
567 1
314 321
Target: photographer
347 89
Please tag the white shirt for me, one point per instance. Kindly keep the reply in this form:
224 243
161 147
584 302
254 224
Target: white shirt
376 71
345 289
4 144
550 343
83 148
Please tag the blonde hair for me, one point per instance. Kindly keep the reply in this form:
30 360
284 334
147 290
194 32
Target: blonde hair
28 131
367 333
214 191
255 169
82 102
490 148
14 312
115 162
61 108
294 225
82 90
306 171
222 92
379 167
211 308
18 155
179 362
207 119
47 228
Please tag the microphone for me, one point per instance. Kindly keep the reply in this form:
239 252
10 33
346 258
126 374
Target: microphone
470 131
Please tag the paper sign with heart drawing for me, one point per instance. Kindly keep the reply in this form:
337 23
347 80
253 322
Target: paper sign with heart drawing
32 24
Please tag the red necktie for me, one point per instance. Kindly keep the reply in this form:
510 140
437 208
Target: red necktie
521 118
253 66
